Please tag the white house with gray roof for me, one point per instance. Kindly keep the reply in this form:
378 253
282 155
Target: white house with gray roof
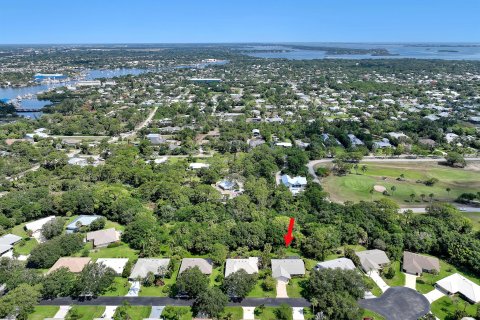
144 266
457 283
340 263
284 269
372 260
250 265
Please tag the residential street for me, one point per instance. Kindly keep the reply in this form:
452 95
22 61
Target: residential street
163 301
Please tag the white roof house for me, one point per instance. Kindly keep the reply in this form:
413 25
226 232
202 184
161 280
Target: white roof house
198 165
457 283
36 225
295 184
205 265
450 137
284 269
250 265
355 141
9 239
116 264
340 263
144 266
372 259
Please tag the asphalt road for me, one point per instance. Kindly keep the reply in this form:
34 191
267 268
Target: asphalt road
163 301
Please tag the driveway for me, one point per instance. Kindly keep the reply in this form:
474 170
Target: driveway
109 312
248 313
298 314
434 295
281 289
62 312
410 281
398 303
156 312
378 280
134 289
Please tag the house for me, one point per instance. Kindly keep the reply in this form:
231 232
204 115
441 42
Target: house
384 143
256 133
116 264
426 142
75 161
73 264
198 165
6 250
327 138
38 132
372 260
205 265
155 138
284 269
398 135
354 140
414 263
35 227
250 265
227 185
340 263
81 221
295 185
450 137
9 239
102 238
144 266
457 283
284 144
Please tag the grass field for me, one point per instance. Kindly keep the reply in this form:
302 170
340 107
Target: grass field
258 292
267 313
138 312
399 279
122 251
234 313
88 312
447 305
42 312
474 218
375 289
25 246
119 288
355 187
426 282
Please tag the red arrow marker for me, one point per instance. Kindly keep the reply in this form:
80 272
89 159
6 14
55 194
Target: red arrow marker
288 236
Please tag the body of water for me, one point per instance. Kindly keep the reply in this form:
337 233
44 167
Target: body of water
398 51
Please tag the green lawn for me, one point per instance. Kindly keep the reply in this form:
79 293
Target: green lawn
399 279
447 305
258 292
371 314
138 312
19 230
338 253
42 312
89 312
119 288
268 313
216 271
294 288
25 246
187 315
235 313
426 282
356 187
154 291
122 251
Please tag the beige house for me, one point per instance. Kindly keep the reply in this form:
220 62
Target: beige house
415 263
102 238
73 264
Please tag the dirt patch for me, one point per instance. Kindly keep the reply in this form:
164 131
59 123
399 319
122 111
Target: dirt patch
379 188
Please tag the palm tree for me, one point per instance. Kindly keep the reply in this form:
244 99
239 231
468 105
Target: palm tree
448 190
431 195
423 196
402 176
412 196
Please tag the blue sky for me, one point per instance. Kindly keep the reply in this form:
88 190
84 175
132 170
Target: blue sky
180 21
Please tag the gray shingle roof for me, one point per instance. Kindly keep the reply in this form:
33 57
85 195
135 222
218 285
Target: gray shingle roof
340 263
287 267
205 265
144 266
416 263
372 259
250 265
